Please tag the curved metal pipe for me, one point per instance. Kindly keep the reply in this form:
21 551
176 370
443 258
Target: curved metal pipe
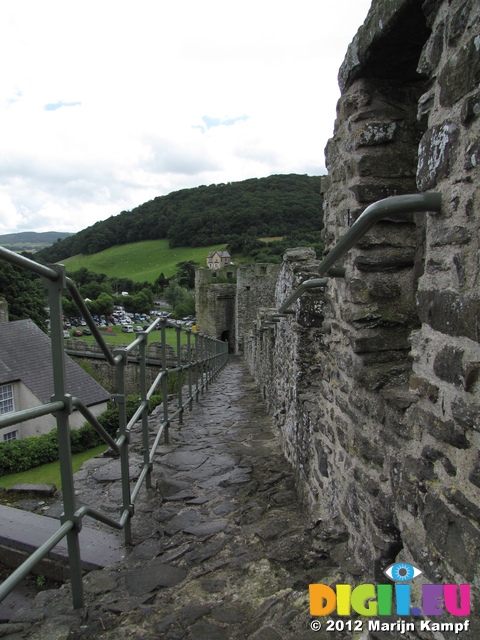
29 265
393 208
315 283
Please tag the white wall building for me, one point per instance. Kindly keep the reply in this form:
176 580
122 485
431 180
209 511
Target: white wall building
26 380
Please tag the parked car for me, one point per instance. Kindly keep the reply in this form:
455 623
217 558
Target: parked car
77 333
127 328
66 334
138 328
87 332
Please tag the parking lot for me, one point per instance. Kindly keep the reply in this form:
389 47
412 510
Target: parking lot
121 328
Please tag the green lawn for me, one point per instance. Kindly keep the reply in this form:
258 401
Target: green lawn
49 473
140 261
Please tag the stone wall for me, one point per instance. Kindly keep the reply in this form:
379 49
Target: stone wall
215 293
255 289
91 356
375 382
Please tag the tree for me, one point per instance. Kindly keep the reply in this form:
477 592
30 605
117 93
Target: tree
104 304
137 303
141 303
171 292
185 307
91 290
70 309
273 206
161 282
182 300
186 273
24 293
150 296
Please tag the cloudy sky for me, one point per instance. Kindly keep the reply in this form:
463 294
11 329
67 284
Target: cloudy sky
105 104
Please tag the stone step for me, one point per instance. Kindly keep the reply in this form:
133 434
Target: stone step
26 531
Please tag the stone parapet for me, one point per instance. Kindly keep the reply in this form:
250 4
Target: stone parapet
375 383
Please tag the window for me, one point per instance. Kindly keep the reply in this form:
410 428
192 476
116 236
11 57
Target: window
11 435
6 399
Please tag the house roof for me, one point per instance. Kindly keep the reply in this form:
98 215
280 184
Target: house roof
221 254
25 354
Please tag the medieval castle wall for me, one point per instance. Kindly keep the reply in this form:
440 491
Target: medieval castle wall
255 289
215 295
374 382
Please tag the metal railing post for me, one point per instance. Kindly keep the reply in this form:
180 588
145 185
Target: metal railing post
142 348
55 289
163 324
204 361
189 360
122 440
179 376
216 362
206 354
201 361
197 347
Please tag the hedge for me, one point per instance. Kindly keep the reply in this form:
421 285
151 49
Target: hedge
24 454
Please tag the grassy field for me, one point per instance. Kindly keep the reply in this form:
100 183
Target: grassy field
140 261
49 473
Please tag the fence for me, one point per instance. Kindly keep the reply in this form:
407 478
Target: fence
206 357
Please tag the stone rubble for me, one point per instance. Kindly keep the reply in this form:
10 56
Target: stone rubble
222 546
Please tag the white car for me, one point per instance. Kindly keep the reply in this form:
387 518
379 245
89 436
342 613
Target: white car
127 328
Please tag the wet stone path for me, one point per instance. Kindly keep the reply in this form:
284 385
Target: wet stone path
222 547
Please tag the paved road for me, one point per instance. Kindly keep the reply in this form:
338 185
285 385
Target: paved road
222 546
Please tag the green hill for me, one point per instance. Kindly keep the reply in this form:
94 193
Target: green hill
140 261
217 214
31 240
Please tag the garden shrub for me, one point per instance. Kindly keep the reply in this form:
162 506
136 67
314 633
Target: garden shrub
24 454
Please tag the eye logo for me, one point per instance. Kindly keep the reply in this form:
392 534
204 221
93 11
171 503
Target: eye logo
402 572
372 600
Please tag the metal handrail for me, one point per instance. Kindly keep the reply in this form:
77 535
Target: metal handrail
394 208
205 360
307 285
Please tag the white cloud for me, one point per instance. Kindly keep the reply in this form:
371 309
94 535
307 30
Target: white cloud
8 214
104 105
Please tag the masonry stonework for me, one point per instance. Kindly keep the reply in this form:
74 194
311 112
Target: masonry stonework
255 289
215 295
375 381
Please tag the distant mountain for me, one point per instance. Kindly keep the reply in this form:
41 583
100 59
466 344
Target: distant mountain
31 240
217 214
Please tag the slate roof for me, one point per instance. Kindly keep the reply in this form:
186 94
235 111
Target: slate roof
221 254
25 354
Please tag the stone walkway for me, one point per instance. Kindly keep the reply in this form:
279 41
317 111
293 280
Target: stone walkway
222 546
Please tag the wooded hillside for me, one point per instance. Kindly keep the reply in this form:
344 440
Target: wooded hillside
223 213
31 240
